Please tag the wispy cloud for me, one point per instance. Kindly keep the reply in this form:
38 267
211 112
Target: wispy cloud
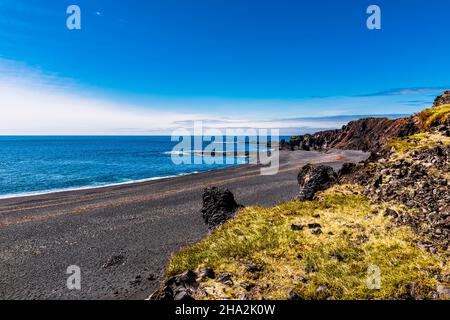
34 101
407 91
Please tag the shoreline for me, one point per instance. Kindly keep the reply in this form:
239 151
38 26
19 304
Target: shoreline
110 185
56 191
113 184
137 226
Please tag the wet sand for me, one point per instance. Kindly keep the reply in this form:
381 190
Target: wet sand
140 225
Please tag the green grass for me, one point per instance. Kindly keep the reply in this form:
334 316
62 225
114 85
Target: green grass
403 145
418 142
435 116
355 235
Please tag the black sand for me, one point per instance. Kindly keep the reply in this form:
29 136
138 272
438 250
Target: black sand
140 224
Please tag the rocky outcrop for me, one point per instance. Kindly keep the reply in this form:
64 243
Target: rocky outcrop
408 181
309 142
315 178
371 134
420 182
367 134
219 205
184 286
346 169
419 179
180 287
442 99
364 134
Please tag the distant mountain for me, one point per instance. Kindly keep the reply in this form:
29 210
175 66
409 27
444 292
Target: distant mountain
347 117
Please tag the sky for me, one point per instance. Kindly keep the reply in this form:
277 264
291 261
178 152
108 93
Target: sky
149 67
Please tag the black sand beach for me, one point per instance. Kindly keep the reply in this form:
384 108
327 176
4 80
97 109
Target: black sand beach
140 225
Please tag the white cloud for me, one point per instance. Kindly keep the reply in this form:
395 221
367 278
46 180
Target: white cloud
34 102
31 111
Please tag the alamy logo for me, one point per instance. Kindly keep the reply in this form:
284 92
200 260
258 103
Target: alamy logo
74 280
215 146
74 20
374 20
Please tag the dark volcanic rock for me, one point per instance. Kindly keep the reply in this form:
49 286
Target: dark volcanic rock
318 141
313 178
218 206
409 182
363 134
347 168
252 268
419 181
360 174
368 134
442 99
247 286
226 278
296 227
179 287
371 134
207 273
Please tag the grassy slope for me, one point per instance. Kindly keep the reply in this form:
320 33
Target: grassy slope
417 142
428 118
355 235
435 116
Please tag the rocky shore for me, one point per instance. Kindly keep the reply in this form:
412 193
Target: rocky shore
123 236
409 165
391 211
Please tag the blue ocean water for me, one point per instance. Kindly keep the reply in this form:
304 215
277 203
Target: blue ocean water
30 165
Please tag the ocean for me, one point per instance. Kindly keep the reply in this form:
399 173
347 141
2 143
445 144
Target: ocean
42 164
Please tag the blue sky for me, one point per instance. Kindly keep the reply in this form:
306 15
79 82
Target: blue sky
156 64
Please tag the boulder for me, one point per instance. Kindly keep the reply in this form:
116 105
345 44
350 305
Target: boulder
314 225
297 227
219 205
314 178
207 273
346 169
180 287
226 278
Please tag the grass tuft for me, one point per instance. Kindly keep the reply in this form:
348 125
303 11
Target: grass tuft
333 264
435 116
417 142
